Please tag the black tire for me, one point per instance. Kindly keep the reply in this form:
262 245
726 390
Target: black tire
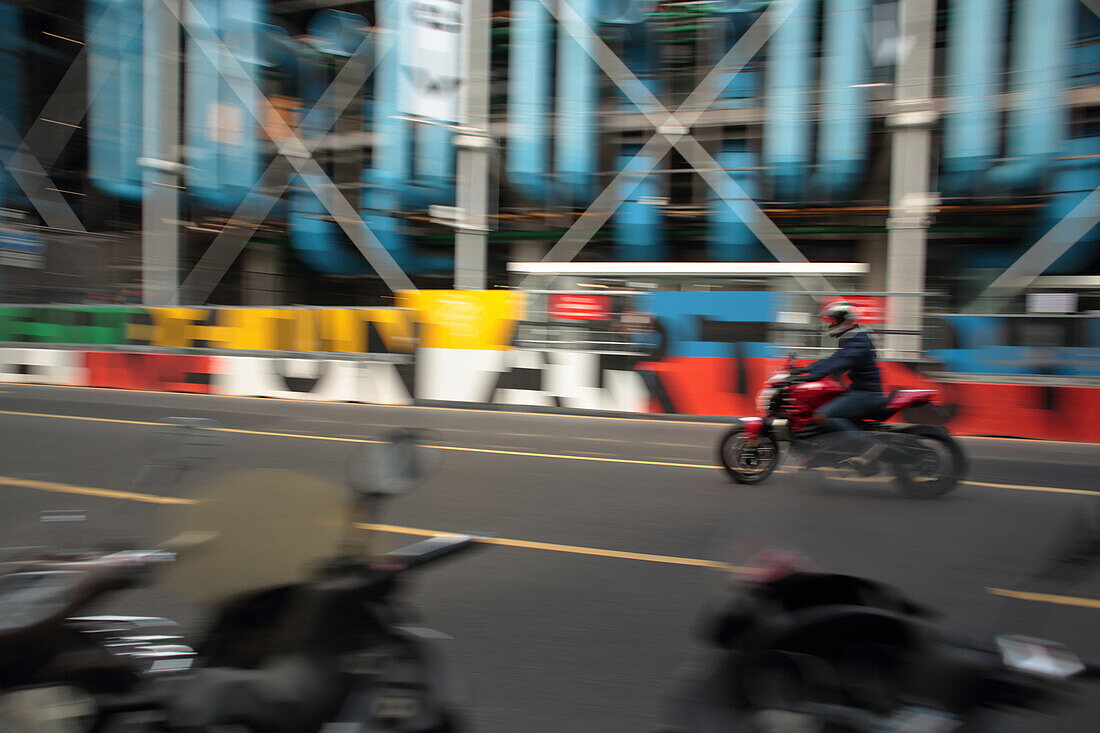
747 460
919 481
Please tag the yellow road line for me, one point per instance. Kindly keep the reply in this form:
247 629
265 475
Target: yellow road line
1025 487
26 483
553 547
502 541
565 456
300 436
482 411
525 454
528 413
79 417
1046 598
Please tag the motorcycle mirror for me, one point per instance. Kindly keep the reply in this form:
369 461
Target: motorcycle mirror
1038 656
392 466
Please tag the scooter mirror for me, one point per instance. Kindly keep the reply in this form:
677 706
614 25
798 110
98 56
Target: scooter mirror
392 466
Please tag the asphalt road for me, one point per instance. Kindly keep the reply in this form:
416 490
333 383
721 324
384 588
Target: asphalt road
609 533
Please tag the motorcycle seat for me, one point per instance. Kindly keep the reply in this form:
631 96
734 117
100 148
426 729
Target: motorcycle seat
880 412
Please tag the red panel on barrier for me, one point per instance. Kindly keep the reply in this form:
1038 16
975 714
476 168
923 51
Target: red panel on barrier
579 307
162 372
713 386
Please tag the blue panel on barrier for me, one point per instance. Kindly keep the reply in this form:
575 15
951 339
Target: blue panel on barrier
1020 360
706 323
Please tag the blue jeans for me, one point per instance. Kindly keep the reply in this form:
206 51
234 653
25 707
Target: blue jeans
840 412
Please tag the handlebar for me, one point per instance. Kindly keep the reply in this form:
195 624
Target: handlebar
430 550
41 592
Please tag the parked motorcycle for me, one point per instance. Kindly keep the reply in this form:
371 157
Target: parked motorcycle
926 461
306 632
800 650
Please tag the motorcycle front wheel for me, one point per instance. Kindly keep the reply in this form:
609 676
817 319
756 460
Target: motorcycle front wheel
747 459
937 467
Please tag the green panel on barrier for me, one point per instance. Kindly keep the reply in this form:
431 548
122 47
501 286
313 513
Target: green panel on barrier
66 325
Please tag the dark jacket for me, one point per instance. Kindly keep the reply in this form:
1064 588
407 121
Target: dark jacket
857 357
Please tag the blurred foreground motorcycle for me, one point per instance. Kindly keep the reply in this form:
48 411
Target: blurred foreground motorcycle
306 632
926 461
809 651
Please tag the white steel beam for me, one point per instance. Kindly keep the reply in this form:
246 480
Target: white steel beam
29 175
1044 253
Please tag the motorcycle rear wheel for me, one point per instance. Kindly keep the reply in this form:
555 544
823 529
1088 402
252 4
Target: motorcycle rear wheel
748 459
928 477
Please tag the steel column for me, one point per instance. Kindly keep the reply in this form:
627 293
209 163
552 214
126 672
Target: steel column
160 147
474 147
911 137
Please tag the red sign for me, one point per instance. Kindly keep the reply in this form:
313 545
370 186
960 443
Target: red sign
872 308
565 307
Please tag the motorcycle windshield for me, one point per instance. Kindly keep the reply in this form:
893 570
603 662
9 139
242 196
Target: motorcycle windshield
251 530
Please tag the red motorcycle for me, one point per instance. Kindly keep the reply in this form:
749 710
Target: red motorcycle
926 461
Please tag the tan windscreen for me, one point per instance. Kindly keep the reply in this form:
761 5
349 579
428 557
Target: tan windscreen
255 529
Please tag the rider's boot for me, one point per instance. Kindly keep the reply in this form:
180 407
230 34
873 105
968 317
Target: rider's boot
865 464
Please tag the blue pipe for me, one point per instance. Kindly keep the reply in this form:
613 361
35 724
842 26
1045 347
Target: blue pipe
741 88
11 94
788 87
526 162
636 228
731 240
221 135
389 186
843 133
114 119
1038 119
974 63
637 224
575 142
336 33
392 148
316 239
640 47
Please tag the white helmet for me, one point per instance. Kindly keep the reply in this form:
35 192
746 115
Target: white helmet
839 317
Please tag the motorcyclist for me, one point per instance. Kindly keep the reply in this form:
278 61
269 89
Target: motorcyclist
857 358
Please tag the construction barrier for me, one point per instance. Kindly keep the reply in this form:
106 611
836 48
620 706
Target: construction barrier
693 353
